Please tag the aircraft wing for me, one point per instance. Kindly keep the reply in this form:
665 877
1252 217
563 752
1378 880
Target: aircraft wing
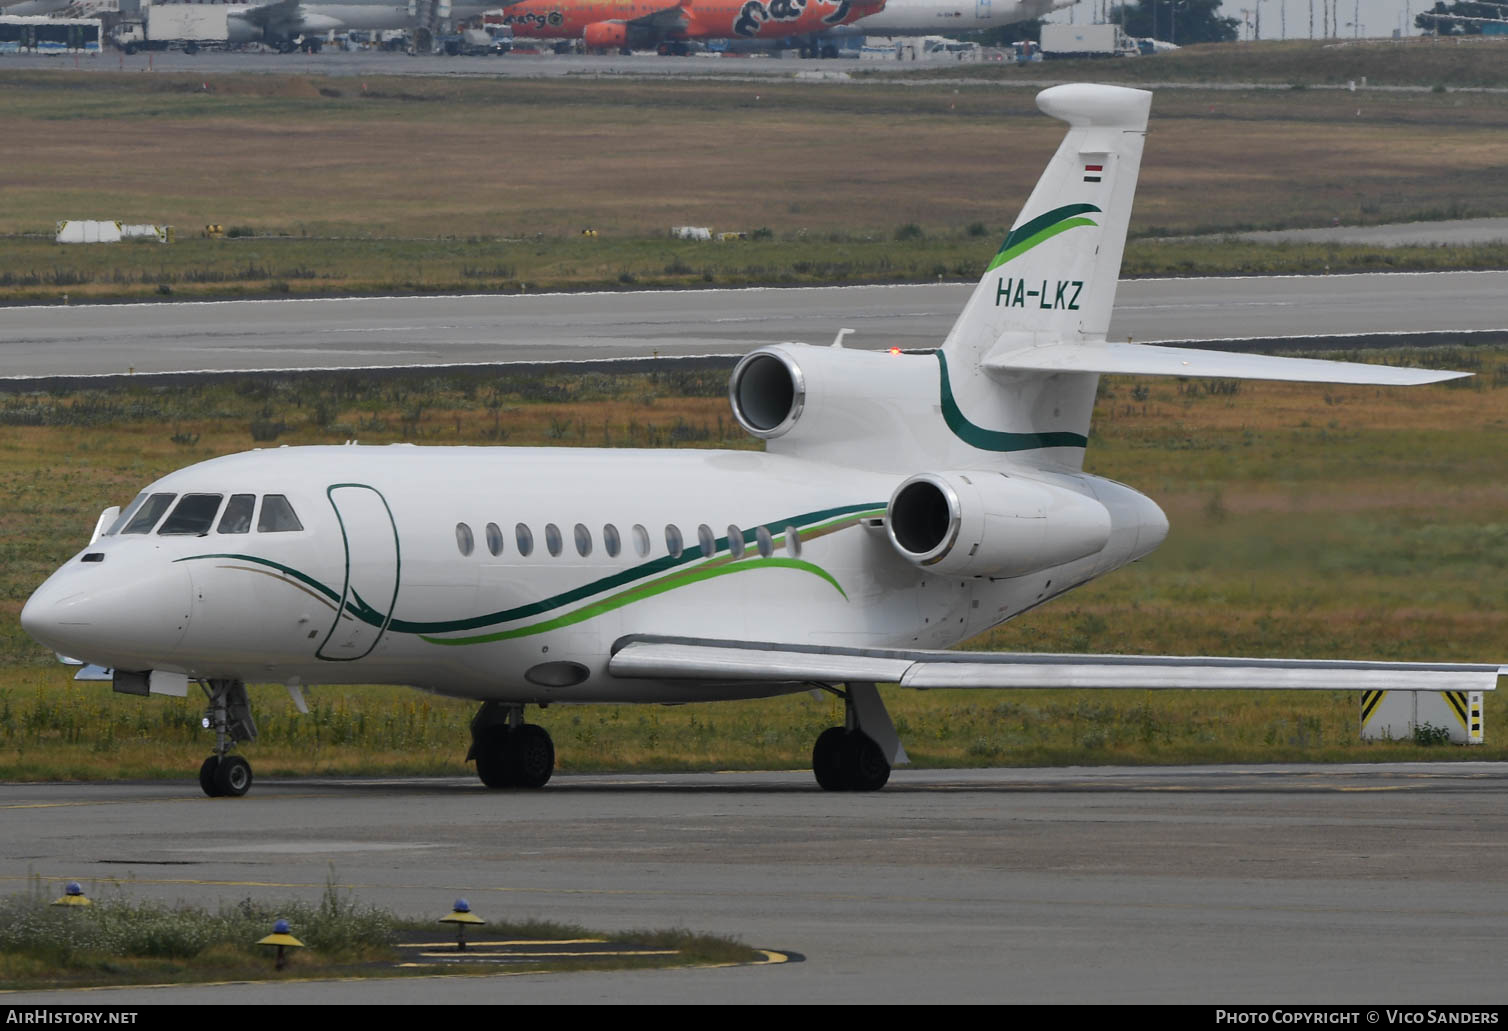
670 18
684 658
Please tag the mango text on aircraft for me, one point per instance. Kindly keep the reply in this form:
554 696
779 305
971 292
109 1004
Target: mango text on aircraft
554 18
755 13
1012 293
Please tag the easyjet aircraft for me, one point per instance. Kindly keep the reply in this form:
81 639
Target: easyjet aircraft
903 503
642 24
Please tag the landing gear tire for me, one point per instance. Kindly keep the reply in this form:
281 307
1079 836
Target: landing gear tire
848 760
233 777
492 758
827 758
207 776
532 756
865 767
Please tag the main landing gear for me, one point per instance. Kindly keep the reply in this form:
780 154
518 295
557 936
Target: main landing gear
857 756
229 716
510 753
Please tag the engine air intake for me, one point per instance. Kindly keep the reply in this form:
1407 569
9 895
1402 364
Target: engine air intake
767 392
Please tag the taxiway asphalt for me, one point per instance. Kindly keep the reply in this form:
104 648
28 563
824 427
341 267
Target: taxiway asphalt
91 340
1225 884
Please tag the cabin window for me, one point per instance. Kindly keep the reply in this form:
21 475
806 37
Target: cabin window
194 515
673 542
583 539
764 541
277 516
146 517
553 542
706 539
494 539
735 542
464 540
611 541
125 516
525 539
237 516
793 542
641 540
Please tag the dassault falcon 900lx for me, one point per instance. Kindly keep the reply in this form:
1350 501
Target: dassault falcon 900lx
903 503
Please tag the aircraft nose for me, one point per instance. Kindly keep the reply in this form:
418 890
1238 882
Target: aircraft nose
130 618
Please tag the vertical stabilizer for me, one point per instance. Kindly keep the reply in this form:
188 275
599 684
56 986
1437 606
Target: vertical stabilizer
1053 280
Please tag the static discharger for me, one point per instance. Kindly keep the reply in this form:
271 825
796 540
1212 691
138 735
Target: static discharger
282 941
461 915
73 895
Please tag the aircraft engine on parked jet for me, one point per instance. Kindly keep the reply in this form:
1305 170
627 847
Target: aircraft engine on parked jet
605 35
981 523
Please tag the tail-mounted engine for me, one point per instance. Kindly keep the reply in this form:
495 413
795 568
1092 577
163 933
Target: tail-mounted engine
992 524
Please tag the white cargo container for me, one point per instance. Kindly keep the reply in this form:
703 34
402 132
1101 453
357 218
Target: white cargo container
188 23
1061 41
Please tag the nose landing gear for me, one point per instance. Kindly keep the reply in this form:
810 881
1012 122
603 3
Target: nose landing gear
229 715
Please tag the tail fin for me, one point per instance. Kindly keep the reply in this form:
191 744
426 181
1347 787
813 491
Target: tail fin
1053 280
1054 277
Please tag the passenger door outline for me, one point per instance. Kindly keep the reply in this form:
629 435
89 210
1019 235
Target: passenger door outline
368 525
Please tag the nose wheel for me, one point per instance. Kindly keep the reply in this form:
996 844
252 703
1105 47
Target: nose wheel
228 714
225 777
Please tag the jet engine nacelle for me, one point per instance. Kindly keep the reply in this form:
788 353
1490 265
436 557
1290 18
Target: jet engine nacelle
843 399
978 523
605 35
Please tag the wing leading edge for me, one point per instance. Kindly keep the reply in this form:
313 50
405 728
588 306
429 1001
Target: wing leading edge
682 658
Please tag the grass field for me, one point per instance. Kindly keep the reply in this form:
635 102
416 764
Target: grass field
122 941
345 185
1324 522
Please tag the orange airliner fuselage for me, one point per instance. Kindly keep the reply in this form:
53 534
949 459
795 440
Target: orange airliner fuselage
629 23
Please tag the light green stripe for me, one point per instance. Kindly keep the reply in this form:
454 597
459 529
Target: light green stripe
708 571
1041 237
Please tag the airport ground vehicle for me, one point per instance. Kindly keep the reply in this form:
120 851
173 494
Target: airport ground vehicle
1076 41
37 34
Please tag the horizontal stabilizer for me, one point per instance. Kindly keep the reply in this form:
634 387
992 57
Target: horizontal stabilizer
1152 360
697 659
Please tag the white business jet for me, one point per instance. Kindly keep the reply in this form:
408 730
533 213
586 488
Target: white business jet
903 503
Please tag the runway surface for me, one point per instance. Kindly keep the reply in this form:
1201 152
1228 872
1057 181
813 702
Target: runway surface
403 331
1255 884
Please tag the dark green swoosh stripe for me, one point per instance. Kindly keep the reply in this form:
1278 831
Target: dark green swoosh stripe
1026 236
996 440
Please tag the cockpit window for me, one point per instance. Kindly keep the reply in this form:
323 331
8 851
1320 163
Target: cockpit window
237 517
277 515
195 514
125 516
147 515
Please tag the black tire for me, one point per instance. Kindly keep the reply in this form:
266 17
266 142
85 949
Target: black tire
207 776
531 756
233 777
827 758
865 767
492 758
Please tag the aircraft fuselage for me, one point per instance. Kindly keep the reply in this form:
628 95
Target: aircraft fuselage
509 573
